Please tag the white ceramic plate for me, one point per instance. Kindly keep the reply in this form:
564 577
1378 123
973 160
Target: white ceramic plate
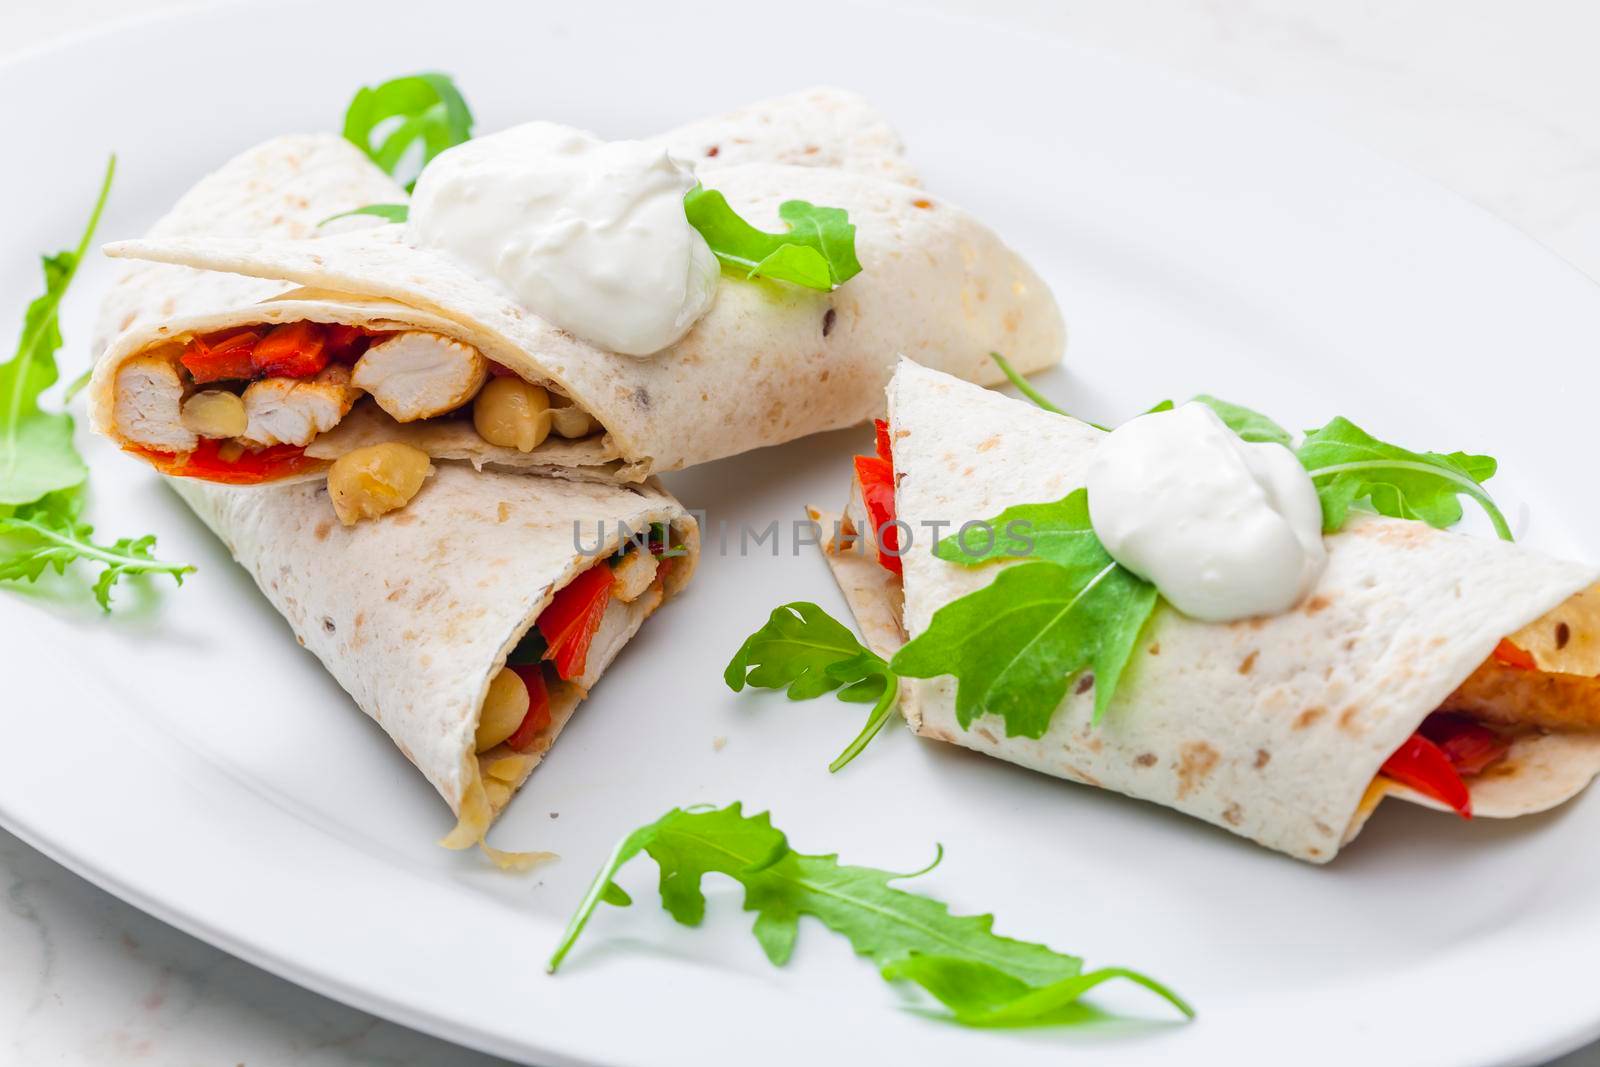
186 755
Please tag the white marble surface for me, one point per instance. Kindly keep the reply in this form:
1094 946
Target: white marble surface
1498 101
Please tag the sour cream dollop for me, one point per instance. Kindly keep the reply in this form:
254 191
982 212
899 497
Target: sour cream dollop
1225 528
589 235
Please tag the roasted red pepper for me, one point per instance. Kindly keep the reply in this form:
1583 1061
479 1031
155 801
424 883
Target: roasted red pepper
248 468
570 622
344 344
1470 746
538 716
1422 765
1445 747
1512 656
876 474
221 359
293 350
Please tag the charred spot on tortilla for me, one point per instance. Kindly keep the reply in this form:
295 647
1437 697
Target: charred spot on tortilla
711 153
1308 717
1145 759
1262 758
640 398
327 624
1563 635
1233 814
828 319
1316 604
1196 760
1085 683
1249 662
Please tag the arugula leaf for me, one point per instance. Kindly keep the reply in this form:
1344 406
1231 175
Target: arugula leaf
982 996
978 974
390 212
42 476
1348 464
389 121
809 652
36 452
1026 388
49 534
1249 425
818 252
1014 645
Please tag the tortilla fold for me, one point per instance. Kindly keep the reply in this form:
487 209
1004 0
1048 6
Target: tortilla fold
1273 728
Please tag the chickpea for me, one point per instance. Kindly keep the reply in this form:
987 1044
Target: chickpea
512 413
504 708
370 481
570 421
214 413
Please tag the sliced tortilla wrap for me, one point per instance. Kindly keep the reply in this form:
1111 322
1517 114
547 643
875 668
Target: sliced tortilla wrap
414 613
1274 728
766 364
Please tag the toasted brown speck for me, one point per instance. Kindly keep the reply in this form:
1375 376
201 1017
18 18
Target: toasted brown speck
1145 759
1263 757
711 153
323 529
1195 761
502 512
923 203
1233 815
828 319
1155 648
1563 635
327 624
1085 684
1248 663
988 443
1307 717
1347 719
1316 604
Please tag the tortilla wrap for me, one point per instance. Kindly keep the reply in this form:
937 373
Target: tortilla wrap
767 363
1273 728
414 613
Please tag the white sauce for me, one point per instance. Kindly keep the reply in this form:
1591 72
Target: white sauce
588 235
1225 528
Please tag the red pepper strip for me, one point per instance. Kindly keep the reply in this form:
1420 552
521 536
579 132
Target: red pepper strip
877 492
570 622
1422 765
876 474
881 432
250 468
1512 656
293 350
221 360
1469 746
538 716
344 344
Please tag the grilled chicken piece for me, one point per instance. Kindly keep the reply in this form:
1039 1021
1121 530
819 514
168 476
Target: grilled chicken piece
292 411
149 407
633 575
417 375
